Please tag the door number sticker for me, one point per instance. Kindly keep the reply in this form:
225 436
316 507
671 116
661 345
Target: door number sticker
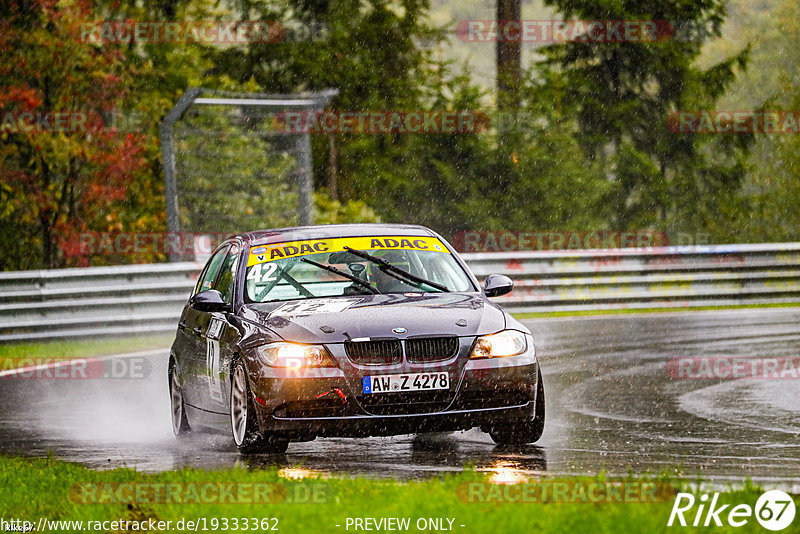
212 359
214 328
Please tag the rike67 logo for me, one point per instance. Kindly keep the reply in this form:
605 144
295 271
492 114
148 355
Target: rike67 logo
774 510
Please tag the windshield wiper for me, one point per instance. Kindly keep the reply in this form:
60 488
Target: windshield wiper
349 276
391 269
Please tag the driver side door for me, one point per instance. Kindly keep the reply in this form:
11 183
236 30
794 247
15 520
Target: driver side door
218 338
194 322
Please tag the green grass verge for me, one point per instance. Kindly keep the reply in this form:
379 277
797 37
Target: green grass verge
41 351
56 490
535 315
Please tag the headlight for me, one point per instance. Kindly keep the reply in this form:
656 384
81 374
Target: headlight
499 345
294 355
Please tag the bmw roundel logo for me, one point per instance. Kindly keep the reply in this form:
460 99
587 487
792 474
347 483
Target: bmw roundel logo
399 330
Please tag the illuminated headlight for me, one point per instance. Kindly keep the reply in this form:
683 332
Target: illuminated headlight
500 345
294 355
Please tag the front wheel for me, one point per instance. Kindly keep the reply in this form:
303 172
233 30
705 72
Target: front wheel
523 432
244 426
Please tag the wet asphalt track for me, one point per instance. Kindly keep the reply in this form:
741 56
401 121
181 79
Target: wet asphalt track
610 406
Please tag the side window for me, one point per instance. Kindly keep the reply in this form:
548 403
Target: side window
210 272
227 275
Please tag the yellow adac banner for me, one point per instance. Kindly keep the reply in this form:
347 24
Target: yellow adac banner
291 249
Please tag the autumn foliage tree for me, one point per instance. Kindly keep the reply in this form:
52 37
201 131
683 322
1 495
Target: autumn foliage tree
64 167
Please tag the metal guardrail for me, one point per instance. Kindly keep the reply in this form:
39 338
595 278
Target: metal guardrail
94 301
148 298
714 275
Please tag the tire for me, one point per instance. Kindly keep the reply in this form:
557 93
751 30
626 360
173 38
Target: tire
244 425
180 424
524 431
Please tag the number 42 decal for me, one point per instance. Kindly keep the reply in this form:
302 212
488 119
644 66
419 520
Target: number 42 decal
262 273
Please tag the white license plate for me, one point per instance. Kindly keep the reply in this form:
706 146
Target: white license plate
409 382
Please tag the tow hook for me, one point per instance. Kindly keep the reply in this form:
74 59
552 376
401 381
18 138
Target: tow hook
338 391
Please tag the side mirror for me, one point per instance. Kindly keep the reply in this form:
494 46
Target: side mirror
497 284
209 300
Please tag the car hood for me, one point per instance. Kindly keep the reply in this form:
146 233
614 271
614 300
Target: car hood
375 316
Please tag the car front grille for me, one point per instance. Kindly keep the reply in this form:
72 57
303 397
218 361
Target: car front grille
376 352
389 352
431 349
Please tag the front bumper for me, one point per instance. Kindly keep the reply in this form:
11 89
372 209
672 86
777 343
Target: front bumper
329 401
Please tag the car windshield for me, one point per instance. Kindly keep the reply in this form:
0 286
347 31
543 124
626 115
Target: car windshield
308 269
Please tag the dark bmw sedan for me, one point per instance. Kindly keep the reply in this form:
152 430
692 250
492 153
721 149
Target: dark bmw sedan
350 330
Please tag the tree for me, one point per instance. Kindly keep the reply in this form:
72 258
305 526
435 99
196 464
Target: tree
625 91
372 53
508 58
58 178
765 207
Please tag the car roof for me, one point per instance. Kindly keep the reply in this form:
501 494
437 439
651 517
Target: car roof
323 231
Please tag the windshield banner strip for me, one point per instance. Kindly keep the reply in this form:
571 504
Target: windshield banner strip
291 249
